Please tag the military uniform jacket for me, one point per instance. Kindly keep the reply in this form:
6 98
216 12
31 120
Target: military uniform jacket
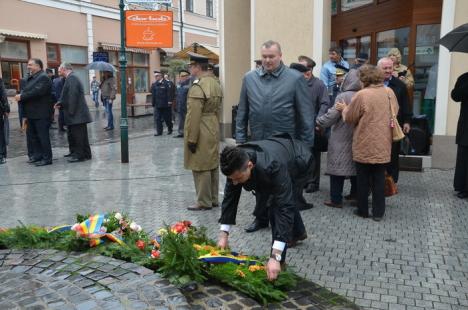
278 161
162 94
202 125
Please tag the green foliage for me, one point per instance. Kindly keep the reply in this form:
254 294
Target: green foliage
175 65
197 235
254 284
179 259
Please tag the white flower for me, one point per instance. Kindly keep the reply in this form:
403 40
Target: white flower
118 216
106 221
133 226
138 228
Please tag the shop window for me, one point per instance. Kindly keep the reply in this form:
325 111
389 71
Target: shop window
347 5
349 49
114 58
140 59
74 54
14 50
140 77
83 74
209 8
189 5
52 53
398 38
334 7
128 55
365 45
425 70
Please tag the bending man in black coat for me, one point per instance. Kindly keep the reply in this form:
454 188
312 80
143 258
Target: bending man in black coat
4 111
460 93
36 98
276 167
76 114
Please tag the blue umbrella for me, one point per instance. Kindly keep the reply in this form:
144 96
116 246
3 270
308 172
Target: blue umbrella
101 66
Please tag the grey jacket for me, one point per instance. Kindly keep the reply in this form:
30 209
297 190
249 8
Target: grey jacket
109 88
274 103
73 102
340 155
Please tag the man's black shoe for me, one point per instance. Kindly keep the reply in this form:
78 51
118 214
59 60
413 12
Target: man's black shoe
179 136
75 160
305 206
157 134
43 163
311 188
169 132
2 160
256 225
357 213
33 160
68 155
462 195
377 218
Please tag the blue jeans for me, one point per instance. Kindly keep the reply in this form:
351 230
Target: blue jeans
95 98
336 188
110 116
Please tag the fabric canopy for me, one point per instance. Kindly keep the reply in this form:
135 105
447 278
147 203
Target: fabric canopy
199 49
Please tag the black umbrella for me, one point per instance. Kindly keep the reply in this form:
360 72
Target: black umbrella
101 66
456 40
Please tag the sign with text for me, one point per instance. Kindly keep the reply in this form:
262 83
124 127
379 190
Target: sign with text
149 29
101 56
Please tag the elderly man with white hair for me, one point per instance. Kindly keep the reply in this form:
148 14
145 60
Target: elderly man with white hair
76 114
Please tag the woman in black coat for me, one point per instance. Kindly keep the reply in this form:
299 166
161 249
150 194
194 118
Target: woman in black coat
460 94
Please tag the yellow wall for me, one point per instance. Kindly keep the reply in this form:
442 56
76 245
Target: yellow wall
458 67
288 22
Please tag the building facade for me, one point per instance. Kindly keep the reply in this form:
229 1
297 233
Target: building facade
306 27
71 30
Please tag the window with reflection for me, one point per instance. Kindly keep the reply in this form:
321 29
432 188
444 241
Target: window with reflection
347 5
349 49
389 39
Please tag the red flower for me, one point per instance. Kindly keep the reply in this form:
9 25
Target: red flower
141 244
187 223
155 254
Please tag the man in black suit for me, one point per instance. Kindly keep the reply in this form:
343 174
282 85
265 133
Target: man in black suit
36 98
404 113
76 114
4 111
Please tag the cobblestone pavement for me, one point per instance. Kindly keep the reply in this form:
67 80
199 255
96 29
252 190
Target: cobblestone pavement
48 279
416 258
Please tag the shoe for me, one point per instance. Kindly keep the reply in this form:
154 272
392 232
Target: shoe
109 128
215 205
256 225
356 212
179 136
306 206
68 155
2 160
157 134
333 205
377 218
43 163
75 160
350 197
33 160
198 208
462 195
311 188
169 132
294 242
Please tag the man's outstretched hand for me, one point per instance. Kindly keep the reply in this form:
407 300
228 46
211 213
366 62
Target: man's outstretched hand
273 268
223 241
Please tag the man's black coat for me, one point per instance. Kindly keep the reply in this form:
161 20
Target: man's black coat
36 96
278 163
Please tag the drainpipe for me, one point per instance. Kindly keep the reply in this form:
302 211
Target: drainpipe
181 21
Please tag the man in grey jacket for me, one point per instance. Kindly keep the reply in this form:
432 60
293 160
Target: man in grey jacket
273 100
76 115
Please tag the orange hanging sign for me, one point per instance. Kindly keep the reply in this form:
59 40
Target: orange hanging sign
148 29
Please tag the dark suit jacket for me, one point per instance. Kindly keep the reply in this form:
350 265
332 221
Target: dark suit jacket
278 162
4 105
401 93
73 102
460 93
36 96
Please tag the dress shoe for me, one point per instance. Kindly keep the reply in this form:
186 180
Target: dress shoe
462 195
377 218
75 160
333 205
311 188
43 163
293 243
33 160
305 206
68 155
198 208
157 134
256 225
179 136
169 132
105 128
215 205
2 160
350 197
357 213
109 128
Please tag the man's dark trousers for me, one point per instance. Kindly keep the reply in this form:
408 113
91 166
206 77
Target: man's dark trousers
3 149
166 115
79 142
38 130
393 168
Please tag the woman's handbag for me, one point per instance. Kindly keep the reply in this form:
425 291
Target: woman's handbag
397 132
391 188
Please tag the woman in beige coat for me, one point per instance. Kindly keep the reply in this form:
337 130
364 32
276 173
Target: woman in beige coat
370 113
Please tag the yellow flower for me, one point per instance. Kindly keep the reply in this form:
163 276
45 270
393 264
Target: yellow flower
214 253
162 231
240 273
197 247
254 268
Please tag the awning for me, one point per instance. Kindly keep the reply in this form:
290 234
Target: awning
116 47
21 34
199 49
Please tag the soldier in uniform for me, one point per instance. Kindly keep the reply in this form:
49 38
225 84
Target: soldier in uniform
162 96
201 133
